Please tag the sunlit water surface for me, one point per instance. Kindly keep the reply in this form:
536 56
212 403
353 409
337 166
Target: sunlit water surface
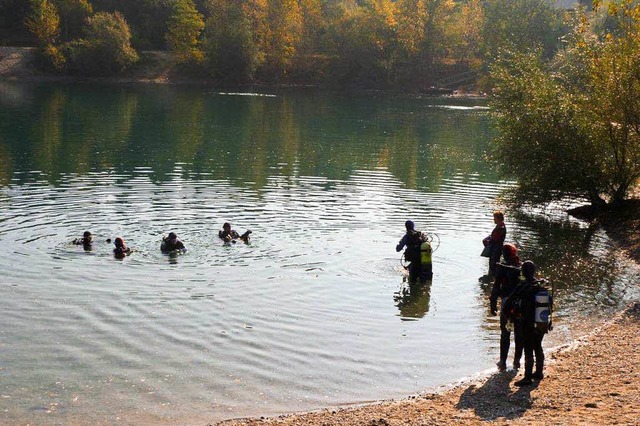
313 312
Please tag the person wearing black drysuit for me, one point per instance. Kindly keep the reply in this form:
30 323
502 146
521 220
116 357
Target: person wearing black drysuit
520 307
506 280
413 239
171 243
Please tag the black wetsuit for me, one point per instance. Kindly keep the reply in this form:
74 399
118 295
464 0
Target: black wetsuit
520 306
168 245
507 279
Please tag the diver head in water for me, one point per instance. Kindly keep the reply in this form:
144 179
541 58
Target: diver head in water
171 243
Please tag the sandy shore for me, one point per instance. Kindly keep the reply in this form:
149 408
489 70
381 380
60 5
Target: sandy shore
594 381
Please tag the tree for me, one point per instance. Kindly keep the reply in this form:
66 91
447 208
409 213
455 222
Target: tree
366 44
465 32
43 21
183 32
521 25
282 35
422 28
231 48
73 14
105 48
572 127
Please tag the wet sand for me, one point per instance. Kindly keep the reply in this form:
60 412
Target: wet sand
595 380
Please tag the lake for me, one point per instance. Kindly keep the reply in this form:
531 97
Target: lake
313 312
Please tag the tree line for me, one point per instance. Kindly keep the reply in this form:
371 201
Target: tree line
570 123
366 43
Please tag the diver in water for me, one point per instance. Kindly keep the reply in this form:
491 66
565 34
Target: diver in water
171 243
418 253
86 240
529 307
507 279
121 249
230 236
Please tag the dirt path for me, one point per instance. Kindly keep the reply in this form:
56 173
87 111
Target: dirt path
15 61
595 381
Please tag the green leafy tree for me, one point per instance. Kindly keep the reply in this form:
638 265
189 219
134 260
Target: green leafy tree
366 44
73 14
572 127
43 21
422 28
105 48
281 35
183 33
465 31
231 39
521 25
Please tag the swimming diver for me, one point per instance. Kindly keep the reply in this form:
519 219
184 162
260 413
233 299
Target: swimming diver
229 235
172 243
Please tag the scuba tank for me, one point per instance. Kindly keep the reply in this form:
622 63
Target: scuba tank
543 310
425 253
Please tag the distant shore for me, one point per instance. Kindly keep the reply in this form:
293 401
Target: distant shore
159 67
595 380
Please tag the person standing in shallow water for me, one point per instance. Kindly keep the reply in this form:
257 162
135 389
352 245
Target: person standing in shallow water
507 279
495 241
413 240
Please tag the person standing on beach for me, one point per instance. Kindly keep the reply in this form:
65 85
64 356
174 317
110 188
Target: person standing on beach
495 241
507 279
520 307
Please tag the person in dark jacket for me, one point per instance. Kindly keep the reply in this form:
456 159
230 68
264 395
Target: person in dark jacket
413 239
495 241
506 280
121 249
86 241
171 243
230 235
520 307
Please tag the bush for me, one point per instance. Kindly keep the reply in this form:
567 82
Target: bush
105 49
50 58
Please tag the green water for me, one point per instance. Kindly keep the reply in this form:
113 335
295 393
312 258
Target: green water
314 311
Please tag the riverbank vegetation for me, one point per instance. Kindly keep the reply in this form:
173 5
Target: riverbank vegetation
406 44
570 124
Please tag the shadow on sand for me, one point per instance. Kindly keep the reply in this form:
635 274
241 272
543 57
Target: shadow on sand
496 399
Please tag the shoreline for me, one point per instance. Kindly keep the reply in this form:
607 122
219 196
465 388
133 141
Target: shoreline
583 384
159 68
595 379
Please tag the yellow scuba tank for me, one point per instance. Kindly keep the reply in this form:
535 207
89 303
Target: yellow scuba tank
425 253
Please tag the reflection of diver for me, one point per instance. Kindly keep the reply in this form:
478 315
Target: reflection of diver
413 301
418 253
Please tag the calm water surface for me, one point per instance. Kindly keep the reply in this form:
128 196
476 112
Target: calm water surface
313 312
